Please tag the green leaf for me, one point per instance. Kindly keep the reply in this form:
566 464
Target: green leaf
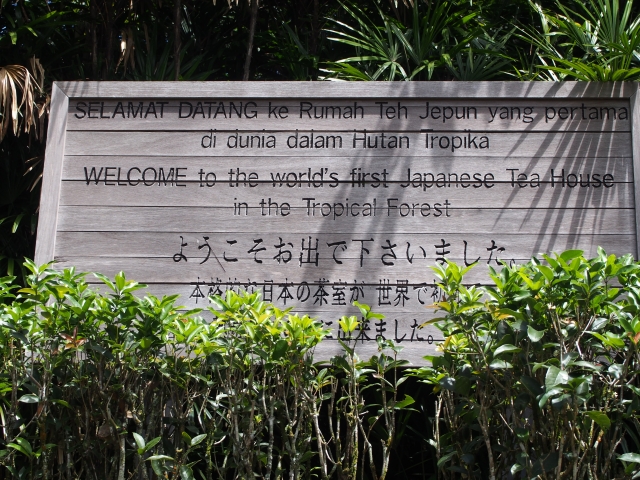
16 223
532 385
64 403
634 389
567 359
532 286
599 323
508 312
500 365
198 439
543 399
406 401
159 457
157 468
569 255
349 324
630 457
448 383
584 364
554 377
29 398
462 386
186 473
152 443
546 271
535 335
550 260
506 349
280 350
600 418
23 446
139 441
12 470
364 309
615 369
445 459
19 336
19 448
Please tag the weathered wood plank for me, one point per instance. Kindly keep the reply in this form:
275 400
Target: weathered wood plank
51 182
152 244
373 271
336 114
481 220
396 166
635 108
513 90
487 144
345 199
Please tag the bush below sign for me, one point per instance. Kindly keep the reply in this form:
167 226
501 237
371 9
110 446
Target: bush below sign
537 376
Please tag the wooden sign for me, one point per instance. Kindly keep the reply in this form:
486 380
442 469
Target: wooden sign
323 193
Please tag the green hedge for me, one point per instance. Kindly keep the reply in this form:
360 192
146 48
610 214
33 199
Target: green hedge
539 371
537 378
113 386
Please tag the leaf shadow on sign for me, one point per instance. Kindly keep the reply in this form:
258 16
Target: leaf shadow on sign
364 255
582 210
368 241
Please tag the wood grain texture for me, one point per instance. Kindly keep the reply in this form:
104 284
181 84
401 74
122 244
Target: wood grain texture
512 90
51 181
596 115
345 199
620 167
372 271
165 270
635 135
175 219
500 145
150 245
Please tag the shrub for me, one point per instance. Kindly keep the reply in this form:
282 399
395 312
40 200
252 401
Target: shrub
539 371
107 385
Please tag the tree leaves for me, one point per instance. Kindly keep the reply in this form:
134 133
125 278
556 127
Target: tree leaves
506 349
534 335
536 365
29 398
17 82
600 418
22 445
555 377
598 41
630 457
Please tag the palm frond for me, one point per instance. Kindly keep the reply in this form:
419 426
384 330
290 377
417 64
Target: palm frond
482 60
389 50
597 41
23 104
